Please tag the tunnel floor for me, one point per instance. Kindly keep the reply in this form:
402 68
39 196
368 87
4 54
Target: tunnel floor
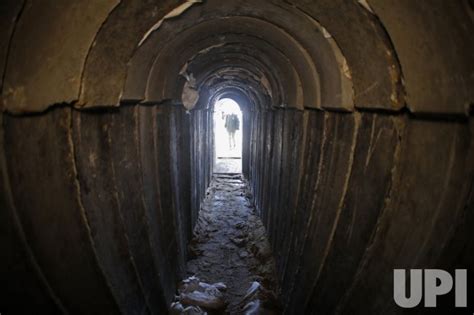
228 166
230 246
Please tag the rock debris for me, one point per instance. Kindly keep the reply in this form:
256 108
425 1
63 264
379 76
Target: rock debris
230 249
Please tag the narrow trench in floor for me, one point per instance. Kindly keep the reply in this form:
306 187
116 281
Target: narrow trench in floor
231 268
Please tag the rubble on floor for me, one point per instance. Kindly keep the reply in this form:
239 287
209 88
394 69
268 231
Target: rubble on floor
232 270
196 297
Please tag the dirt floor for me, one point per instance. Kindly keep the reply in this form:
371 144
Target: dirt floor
230 246
228 166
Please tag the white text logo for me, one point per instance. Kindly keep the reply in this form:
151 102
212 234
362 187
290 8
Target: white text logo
436 282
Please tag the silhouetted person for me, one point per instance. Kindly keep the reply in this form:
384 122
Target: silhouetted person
232 125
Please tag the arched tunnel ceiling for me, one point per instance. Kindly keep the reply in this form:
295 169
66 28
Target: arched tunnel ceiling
373 54
206 28
436 55
116 41
47 52
345 197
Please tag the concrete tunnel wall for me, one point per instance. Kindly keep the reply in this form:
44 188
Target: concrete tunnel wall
358 195
105 201
358 147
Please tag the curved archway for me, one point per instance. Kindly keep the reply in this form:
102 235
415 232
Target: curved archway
359 158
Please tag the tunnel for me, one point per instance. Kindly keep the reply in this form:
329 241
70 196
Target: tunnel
357 146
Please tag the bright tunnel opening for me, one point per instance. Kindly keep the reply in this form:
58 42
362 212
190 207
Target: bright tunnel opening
227 137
